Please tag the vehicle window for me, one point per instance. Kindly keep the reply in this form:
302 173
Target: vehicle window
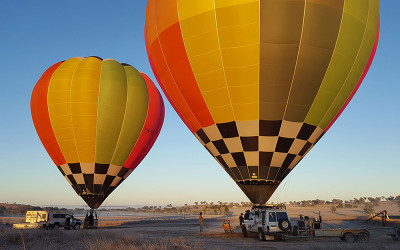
56 216
251 216
281 216
62 215
272 217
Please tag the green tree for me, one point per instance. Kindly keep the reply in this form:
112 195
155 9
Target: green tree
369 208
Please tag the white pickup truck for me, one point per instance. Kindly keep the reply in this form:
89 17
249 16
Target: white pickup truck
269 222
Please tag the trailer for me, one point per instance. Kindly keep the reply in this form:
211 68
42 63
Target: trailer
34 219
309 228
348 235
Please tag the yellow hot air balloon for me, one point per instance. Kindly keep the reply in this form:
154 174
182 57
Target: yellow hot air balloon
258 82
97 120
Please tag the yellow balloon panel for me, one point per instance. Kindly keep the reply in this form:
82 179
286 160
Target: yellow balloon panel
112 105
84 98
220 44
59 106
187 9
203 51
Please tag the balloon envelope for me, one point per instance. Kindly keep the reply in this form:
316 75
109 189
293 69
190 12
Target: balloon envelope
97 120
258 82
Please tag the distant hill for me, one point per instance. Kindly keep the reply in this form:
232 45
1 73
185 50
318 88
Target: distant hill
20 209
13 206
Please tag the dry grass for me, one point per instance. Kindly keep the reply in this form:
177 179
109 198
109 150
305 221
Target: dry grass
85 239
125 241
11 220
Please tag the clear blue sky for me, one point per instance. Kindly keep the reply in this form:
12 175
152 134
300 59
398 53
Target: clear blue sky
358 156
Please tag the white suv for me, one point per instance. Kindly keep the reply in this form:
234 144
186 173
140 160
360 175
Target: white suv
67 221
269 222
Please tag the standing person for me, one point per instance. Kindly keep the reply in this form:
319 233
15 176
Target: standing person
241 219
247 214
91 219
68 217
201 221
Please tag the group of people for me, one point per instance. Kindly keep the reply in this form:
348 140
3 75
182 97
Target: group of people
246 217
89 219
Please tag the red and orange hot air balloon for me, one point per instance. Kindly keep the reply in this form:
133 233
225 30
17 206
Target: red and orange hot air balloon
97 120
258 82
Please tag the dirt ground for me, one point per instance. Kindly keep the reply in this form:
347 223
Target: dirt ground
182 232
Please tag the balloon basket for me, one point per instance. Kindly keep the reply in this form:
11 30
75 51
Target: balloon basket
91 220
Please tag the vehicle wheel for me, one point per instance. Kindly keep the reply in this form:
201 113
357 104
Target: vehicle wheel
244 231
56 226
295 230
284 225
349 237
362 237
261 235
77 226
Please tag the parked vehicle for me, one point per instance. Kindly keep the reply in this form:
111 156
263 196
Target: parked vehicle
34 219
269 222
67 221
